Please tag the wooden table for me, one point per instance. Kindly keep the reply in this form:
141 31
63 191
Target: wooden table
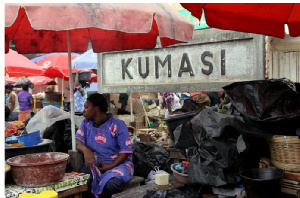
75 192
176 155
73 184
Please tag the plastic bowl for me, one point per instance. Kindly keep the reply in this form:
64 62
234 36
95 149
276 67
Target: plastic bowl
262 182
83 76
30 139
38 169
179 177
55 104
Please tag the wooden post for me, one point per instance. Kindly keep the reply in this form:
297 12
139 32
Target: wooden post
75 160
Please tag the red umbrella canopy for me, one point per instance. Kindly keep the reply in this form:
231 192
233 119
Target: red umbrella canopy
260 18
35 80
110 27
41 80
19 65
55 65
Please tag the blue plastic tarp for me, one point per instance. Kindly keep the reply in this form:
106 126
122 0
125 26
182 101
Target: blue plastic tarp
87 60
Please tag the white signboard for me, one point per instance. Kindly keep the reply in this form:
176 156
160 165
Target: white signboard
190 67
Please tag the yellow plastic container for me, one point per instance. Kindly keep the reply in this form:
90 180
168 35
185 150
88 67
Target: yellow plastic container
50 193
41 196
27 195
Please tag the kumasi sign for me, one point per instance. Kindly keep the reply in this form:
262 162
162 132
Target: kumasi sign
206 64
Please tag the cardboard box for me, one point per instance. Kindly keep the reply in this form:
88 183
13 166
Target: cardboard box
145 137
148 95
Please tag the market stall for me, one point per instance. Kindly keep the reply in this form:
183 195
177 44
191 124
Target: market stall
221 143
171 71
75 36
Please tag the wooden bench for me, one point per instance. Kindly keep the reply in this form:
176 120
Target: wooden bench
75 192
134 182
140 191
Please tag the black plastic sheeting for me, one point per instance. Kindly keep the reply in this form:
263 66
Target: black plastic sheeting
60 133
223 148
146 156
271 105
226 143
184 137
215 160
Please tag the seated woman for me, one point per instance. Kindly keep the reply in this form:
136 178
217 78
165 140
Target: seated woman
106 146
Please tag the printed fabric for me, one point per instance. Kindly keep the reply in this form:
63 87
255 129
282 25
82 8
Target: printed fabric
106 142
80 97
173 99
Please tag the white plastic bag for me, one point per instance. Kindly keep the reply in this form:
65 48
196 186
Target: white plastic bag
45 118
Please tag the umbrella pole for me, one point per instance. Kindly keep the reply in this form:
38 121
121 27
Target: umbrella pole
131 109
62 93
71 93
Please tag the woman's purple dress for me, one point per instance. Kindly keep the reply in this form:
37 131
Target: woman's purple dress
106 142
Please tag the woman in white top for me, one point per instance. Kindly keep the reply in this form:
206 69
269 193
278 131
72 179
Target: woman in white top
171 101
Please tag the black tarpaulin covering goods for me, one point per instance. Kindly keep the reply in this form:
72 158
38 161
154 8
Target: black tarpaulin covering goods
215 160
146 156
271 105
225 143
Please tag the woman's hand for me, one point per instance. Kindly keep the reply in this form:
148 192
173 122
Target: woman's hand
89 158
104 167
120 159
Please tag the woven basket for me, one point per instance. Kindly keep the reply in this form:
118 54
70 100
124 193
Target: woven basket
285 152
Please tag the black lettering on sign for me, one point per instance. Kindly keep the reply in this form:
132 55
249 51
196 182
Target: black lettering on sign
188 68
207 63
222 62
124 68
158 60
143 75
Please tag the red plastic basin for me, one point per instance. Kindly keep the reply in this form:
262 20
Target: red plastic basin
38 169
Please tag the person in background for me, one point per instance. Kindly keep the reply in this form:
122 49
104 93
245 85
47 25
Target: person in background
12 102
7 113
215 98
80 94
106 145
171 101
6 96
50 88
123 99
25 103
